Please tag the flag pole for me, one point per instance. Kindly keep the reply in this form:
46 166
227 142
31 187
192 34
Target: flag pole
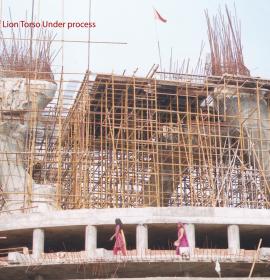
157 15
158 44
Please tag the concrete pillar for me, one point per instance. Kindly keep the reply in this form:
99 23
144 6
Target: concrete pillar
233 237
141 238
38 242
190 231
90 239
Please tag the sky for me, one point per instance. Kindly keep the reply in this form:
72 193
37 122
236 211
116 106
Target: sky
132 22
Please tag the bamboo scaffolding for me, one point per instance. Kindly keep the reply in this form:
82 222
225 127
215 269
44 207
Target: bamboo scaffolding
130 155
121 141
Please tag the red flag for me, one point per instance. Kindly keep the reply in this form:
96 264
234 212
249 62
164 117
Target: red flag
158 16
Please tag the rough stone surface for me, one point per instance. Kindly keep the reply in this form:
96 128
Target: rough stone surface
14 257
21 103
43 198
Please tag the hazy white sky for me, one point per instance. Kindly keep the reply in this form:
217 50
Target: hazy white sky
132 21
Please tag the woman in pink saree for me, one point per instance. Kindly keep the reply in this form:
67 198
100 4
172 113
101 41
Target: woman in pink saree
120 240
181 244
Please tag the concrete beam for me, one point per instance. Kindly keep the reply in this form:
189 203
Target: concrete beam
141 238
38 242
158 215
233 237
90 239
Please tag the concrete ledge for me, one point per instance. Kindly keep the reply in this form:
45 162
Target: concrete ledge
134 269
195 215
265 254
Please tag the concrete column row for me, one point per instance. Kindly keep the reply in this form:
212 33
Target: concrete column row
141 238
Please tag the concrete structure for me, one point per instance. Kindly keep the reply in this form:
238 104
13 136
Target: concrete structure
233 238
146 151
150 151
61 268
245 104
190 229
93 227
21 104
38 242
137 216
90 239
141 238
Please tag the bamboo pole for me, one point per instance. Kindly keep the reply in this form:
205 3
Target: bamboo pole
255 258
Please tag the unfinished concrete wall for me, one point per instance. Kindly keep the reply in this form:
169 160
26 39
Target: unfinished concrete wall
243 115
21 102
246 112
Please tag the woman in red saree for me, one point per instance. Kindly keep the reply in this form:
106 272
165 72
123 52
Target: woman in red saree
120 240
181 244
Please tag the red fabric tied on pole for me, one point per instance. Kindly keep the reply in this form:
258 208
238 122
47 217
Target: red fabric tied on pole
158 16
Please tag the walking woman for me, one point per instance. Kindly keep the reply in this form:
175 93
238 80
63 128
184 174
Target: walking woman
120 240
181 244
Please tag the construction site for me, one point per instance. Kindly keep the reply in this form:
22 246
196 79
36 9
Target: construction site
171 146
